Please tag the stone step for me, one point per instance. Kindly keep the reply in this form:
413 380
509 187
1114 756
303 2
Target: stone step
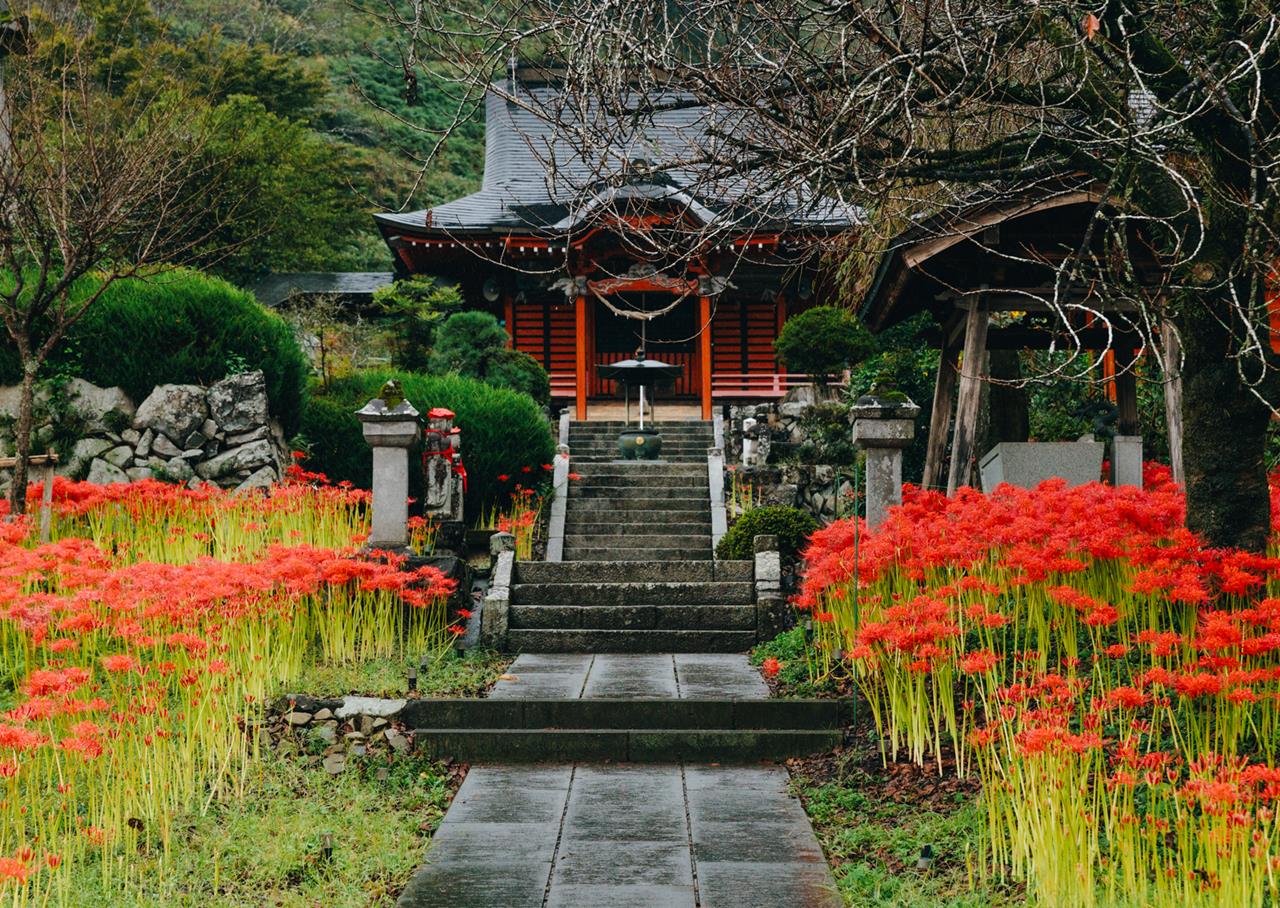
622 745
690 522
583 459
634 617
655 504
641 543
590 554
530 640
605 447
612 475
719 592
562 572
643 490
618 713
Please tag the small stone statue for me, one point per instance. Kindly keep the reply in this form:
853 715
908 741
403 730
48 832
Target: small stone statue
392 395
442 467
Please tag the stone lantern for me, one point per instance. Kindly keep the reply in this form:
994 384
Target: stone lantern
391 428
883 427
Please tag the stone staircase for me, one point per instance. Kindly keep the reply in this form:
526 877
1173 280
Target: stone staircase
638 574
632 607
636 510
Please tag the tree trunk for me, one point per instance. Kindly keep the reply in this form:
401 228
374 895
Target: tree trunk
22 441
1225 429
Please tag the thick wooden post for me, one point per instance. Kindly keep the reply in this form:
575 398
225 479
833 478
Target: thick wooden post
1173 397
581 362
509 316
704 353
1126 385
970 401
944 392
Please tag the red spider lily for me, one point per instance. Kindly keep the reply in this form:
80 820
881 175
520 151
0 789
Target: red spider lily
1073 646
770 667
135 673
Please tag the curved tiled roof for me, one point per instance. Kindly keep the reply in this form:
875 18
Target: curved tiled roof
537 177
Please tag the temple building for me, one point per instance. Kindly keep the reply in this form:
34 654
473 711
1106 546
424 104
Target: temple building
589 252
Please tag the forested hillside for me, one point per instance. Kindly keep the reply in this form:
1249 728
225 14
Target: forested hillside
309 93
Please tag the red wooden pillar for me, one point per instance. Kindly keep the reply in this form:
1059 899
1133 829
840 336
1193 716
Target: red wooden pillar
704 353
509 314
582 358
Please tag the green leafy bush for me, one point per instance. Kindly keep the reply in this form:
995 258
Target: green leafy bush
503 432
822 341
475 345
178 327
792 526
518 371
465 343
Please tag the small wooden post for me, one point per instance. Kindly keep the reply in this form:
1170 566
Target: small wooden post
970 401
704 353
1173 397
944 391
49 462
582 367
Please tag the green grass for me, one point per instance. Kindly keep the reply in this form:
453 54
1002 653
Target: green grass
793 678
466 675
267 848
874 820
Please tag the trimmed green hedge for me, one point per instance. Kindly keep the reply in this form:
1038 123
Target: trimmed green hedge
179 327
503 432
792 526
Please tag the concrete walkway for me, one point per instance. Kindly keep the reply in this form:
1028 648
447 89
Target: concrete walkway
601 835
624 836
631 676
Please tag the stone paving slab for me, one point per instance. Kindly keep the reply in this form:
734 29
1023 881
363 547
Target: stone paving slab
623 836
631 676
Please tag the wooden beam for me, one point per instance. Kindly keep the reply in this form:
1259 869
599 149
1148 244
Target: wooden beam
1126 385
704 353
965 438
582 365
944 392
1173 397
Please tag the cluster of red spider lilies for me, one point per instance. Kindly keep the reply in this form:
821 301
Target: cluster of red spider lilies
138 645
1114 684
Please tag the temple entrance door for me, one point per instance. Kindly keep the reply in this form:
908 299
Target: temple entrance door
670 338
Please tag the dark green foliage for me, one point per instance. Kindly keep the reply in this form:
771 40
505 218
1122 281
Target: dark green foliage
795 655
792 526
829 438
906 359
465 342
475 345
823 341
302 215
502 431
518 371
412 309
178 327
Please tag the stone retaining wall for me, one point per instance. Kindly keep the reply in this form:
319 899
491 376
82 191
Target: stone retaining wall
187 434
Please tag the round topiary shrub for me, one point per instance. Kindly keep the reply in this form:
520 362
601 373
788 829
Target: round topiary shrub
792 526
505 437
180 327
465 342
518 371
822 341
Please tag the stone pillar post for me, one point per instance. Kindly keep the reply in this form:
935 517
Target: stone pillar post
391 432
883 427
1126 461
